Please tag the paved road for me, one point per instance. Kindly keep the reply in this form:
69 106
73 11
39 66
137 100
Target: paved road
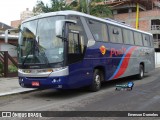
145 96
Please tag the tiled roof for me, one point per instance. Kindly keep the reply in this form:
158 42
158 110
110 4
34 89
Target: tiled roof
4 27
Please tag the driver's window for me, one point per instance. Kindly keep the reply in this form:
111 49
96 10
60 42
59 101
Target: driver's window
77 40
74 44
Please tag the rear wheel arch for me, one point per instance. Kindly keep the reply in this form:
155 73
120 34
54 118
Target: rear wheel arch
98 77
142 63
102 71
140 75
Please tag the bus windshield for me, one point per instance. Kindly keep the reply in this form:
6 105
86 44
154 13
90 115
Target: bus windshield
38 43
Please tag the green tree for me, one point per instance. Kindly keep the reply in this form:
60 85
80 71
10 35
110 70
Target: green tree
82 6
39 8
100 10
78 5
93 8
55 5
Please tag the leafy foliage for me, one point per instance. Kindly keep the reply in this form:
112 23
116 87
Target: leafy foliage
1 69
101 11
78 5
55 5
12 68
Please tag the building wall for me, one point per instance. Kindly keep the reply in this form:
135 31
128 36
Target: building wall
145 24
68 1
12 50
26 14
145 18
16 23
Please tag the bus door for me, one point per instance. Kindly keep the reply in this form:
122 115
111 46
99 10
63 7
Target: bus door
76 49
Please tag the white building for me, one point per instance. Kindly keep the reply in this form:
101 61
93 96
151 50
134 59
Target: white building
26 14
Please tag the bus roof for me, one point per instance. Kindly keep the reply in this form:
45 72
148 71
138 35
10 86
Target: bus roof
71 12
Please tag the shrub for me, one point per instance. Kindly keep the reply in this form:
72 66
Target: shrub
12 68
1 69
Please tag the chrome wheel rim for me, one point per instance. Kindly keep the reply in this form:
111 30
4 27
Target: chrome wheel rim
141 72
97 81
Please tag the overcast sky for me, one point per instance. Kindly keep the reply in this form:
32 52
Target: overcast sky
10 9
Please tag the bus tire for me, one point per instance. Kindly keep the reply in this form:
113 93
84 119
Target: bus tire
141 72
96 83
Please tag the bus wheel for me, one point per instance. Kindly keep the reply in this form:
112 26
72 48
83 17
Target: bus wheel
96 83
141 72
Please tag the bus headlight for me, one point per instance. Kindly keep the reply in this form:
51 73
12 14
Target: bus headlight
44 70
48 70
58 69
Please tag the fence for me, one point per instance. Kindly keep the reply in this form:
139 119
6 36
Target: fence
6 59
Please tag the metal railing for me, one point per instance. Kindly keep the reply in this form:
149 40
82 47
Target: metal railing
156 40
155 27
4 59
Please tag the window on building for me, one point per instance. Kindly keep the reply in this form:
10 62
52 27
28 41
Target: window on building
155 24
151 41
115 34
138 38
99 30
128 36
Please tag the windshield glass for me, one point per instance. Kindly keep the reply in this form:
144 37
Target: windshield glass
38 42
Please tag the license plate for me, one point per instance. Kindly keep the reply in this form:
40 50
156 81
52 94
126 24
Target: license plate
35 83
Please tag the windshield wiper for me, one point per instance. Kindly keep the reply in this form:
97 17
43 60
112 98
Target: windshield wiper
35 47
26 56
41 51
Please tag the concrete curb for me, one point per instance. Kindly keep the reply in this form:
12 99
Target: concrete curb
17 91
157 66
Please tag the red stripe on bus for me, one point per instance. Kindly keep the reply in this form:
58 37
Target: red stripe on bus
125 63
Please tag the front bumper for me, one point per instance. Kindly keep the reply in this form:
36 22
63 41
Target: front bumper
46 82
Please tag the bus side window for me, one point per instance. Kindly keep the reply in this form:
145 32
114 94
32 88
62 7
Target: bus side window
146 40
128 36
115 34
138 38
74 43
79 34
77 40
99 30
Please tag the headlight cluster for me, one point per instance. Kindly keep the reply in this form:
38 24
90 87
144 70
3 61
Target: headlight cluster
35 70
49 70
58 69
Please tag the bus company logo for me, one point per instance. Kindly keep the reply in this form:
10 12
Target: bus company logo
117 52
103 49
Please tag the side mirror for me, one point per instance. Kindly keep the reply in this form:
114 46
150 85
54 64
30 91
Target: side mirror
59 26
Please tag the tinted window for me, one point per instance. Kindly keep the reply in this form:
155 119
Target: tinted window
115 34
77 36
128 36
146 40
138 38
99 30
77 40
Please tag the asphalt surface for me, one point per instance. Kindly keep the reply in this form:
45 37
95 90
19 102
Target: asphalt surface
145 96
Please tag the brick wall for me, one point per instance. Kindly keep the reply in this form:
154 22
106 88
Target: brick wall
16 23
144 18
